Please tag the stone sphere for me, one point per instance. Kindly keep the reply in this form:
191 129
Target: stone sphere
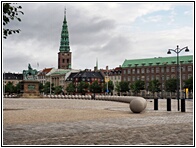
137 105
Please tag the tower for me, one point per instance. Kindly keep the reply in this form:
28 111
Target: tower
64 55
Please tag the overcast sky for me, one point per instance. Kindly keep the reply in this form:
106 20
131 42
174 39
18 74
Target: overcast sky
108 31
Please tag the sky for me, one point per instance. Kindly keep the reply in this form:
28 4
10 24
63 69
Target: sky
109 32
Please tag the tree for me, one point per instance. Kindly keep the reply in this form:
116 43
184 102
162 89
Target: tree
117 87
10 12
58 90
17 88
82 87
171 85
41 87
9 88
189 84
71 88
124 86
95 87
154 86
110 86
137 86
46 88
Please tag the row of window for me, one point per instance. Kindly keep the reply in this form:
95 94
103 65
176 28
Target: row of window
157 77
157 70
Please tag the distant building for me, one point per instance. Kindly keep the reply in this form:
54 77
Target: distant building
14 78
87 76
41 77
114 75
161 68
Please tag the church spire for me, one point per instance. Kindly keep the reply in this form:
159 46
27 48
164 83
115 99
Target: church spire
64 44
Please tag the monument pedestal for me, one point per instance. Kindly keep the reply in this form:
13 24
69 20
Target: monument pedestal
30 89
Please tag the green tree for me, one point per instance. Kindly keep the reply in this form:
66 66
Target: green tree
154 86
117 87
9 88
58 90
95 87
137 86
10 13
110 86
82 87
41 87
17 88
189 84
46 88
124 86
71 88
171 85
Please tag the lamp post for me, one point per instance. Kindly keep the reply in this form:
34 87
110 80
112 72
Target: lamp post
177 51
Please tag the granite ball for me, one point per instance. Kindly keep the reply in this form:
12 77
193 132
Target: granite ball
137 105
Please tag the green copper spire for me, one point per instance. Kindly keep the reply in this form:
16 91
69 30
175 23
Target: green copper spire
64 47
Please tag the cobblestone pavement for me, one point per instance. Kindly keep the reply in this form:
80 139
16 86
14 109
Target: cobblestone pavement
150 128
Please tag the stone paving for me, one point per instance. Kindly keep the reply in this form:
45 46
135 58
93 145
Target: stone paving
98 130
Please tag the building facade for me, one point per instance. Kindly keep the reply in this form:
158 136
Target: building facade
64 54
14 78
161 68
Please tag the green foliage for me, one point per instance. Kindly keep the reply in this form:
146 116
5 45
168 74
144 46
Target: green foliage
10 13
117 87
9 88
46 88
41 87
71 88
82 87
189 84
137 86
124 86
95 87
58 90
171 85
154 86
110 86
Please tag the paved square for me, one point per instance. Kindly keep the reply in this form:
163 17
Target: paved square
93 122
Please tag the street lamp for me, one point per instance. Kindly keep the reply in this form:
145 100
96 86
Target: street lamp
177 51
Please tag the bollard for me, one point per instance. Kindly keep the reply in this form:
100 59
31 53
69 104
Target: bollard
168 104
156 104
182 105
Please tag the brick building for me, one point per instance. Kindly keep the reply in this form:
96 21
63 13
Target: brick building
161 68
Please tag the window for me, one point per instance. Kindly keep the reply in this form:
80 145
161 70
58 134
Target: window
67 60
133 78
157 70
168 77
124 71
63 61
189 76
143 70
189 68
147 70
138 77
152 70
172 69
138 71
157 77
162 69
147 78
129 79
129 71
163 77
133 71
152 77
173 76
125 79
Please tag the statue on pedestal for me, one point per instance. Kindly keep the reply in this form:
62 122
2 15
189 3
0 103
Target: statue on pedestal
29 74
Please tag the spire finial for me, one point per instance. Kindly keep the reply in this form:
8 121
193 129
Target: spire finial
65 12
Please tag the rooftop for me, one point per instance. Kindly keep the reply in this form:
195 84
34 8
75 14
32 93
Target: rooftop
157 61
